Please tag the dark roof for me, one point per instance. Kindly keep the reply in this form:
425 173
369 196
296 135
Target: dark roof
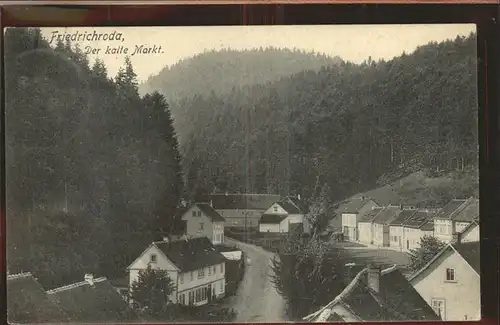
88 303
272 218
120 282
370 215
450 208
469 211
396 300
354 205
290 207
191 253
428 226
388 214
242 201
29 303
419 219
403 217
299 203
210 212
470 252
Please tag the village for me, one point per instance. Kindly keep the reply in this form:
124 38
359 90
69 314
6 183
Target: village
225 237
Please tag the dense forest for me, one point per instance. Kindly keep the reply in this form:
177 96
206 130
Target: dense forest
93 169
345 125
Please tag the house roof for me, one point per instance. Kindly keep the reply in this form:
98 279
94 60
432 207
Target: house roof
396 300
298 203
210 212
428 226
472 225
29 303
449 209
272 218
403 217
289 207
388 214
191 253
119 282
419 219
469 251
468 212
369 216
242 201
92 303
354 205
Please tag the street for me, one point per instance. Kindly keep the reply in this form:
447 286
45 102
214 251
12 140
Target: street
256 299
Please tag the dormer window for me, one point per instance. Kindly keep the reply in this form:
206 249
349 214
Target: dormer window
152 258
275 209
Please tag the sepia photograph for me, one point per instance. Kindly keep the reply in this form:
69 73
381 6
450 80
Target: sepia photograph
301 173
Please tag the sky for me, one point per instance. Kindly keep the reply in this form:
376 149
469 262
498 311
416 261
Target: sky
353 43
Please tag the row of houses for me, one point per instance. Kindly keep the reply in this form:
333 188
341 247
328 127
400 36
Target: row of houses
401 228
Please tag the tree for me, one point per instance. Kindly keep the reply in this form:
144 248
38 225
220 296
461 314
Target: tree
151 292
429 247
308 274
321 210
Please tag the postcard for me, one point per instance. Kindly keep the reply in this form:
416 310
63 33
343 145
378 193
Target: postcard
252 174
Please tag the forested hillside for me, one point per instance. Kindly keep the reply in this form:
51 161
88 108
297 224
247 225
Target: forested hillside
93 169
348 126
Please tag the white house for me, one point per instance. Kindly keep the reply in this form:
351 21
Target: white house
352 212
242 210
195 267
289 208
396 229
471 233
450 282
455 217
381 223
203 221
365 226
274 223
419 225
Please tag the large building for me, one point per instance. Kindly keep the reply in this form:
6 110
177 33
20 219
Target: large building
194 265
351 212
201 220
455 217
241 210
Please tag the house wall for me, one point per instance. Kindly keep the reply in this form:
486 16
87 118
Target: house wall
218 233
213 275
472 235
276 209
161 263
198 225
236 218
396 237
349 225
296 218
365 232
443 230
411 238
462 297
269 227
378 234
460 226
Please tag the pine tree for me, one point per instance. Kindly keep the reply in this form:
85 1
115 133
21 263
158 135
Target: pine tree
429 247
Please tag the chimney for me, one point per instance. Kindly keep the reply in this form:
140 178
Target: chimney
456 238
166 239
298 197
89 278
211 203
401 207
362 197
373 277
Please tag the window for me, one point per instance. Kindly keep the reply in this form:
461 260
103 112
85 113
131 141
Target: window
438 306
209 271
201 273
192 276
222 268
215 270
275 209
181 278
201 225
222 286
194 213
182 299
191 297
153 258
450 275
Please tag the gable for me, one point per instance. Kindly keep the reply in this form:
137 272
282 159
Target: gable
188 215
276 208
448 258
162 262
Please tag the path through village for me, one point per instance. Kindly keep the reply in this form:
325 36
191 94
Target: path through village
256 299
